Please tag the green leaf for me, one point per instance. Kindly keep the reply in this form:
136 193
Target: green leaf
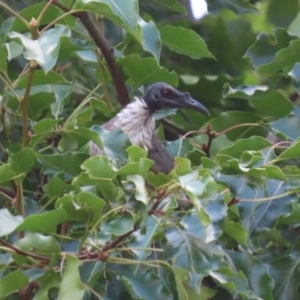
99 172
13 49
269 201
51 83
289 126
12 282
140 240
140 188
256 271
270 102
145 286
119 225
38 244
22 161
138 164
33 11
84 207
6 173
291 152
45 49
272 53
235 282
191 253
112 142
46 284
295 75
188 289
287 13
287 267
184 41
199 184
125 14
99 167
254 143
8 222
145 71
238 6
237 232
41 130
66 162
45 223
3 57
151 38
71 286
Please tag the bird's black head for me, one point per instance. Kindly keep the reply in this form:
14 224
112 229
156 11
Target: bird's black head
161 96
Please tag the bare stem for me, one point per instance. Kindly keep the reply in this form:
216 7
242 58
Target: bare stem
19 203
24 105
14 13
40 17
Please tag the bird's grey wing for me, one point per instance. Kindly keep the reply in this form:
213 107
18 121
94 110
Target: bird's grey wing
94 149
163 162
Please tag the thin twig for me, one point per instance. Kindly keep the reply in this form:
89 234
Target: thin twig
211 135
14 13
41 15
118 240
24 253
24 105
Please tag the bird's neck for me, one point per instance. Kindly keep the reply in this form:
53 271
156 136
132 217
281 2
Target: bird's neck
137 122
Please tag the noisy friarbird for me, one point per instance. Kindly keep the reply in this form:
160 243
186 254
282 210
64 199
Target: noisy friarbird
136 120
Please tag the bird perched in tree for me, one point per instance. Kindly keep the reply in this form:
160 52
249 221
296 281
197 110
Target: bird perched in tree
136 120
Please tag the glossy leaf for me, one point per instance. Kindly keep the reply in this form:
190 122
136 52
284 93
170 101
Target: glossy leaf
84 207
189 252
184 41
6 173
146 286
8 222
45 49
291 152
38 244
71 285
20 165
44 223
123 13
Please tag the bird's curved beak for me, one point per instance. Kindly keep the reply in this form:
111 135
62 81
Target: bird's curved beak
184 100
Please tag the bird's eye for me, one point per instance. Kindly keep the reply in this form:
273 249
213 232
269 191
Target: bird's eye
156 97
166 93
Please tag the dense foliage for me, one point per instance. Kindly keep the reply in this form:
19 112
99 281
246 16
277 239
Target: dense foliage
223 224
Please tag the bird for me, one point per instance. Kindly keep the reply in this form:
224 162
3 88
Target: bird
136 120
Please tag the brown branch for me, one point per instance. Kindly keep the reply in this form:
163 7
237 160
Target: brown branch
233 201
211 135
161 195
87 255
118 240
24 253
107 52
